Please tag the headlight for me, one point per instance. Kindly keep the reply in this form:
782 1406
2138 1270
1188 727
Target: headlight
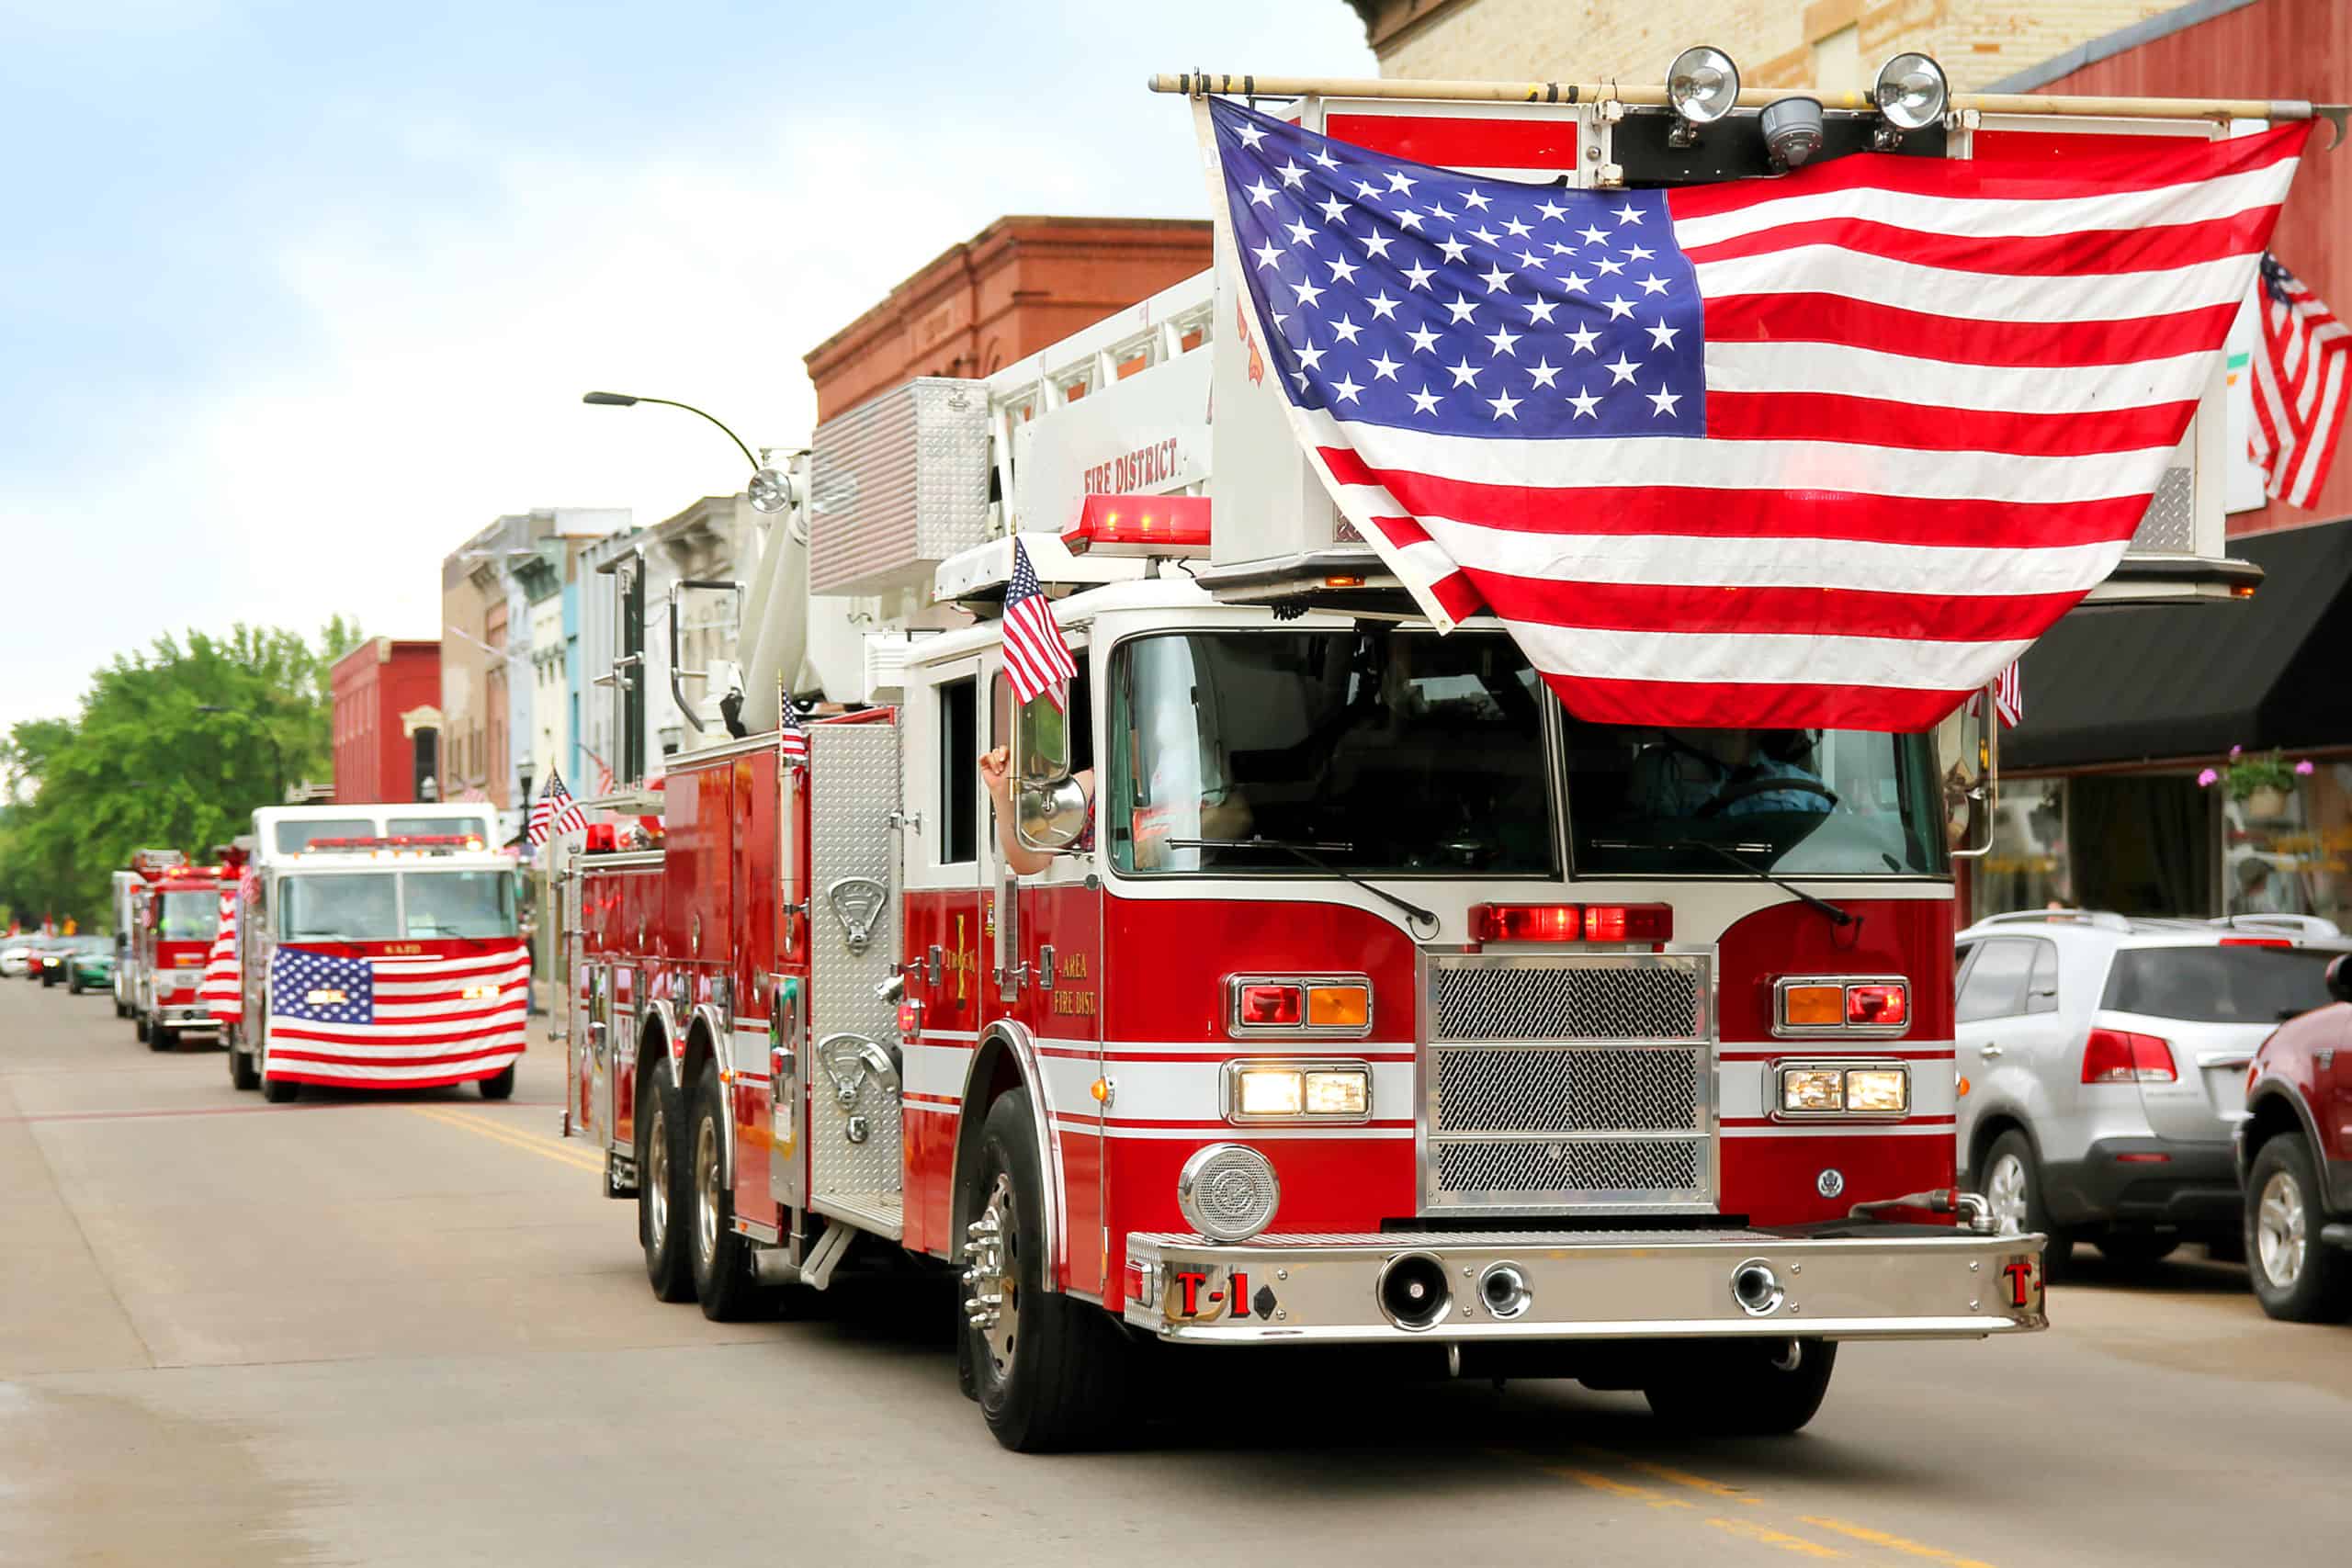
1297 1091
1703 85
1911 92
1847 1090
1812 1089
327 996
1229 1193
474 993
1878 1091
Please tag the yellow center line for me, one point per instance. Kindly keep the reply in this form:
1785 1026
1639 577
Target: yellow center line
497 1134
1897 1543
1680 1477
1767 1536
1627 1489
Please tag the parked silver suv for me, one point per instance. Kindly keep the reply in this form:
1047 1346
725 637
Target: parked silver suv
2103 1063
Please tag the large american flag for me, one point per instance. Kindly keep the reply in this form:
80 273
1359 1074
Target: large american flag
408 1023
1036 658
223 988
2298 387
1829 449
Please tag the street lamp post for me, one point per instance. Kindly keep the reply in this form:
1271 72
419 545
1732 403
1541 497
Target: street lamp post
770 490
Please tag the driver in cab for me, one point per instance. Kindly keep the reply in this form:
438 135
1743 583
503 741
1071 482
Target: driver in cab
1727 773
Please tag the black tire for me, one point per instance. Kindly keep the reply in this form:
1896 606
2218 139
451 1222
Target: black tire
2137 1249
1745 1388
121 1011
500 1085
721 1260
2058 1256
139 1024
2317 1287
662 1194
160 1038
1057 1378
243 1074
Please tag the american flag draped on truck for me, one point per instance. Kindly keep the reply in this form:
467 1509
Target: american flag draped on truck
373 1020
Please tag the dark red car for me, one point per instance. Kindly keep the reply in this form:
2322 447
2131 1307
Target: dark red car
2295 1156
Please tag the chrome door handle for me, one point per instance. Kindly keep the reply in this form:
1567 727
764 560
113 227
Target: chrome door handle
1988 1052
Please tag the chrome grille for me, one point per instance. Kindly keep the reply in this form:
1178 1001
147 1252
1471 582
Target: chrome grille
1514 1001
1567 1083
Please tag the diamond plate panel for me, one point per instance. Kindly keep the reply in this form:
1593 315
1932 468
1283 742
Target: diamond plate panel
1516 1171
896 485
2170 526
852 789
1529 999
1599 1088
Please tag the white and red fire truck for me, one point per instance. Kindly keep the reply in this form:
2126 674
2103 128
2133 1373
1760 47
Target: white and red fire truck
1353 1003
175 909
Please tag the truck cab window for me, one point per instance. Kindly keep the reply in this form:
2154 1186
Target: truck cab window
959 744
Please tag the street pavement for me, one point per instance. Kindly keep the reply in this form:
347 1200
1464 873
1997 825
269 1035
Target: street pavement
412 1330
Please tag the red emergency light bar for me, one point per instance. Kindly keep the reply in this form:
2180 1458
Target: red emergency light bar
1572 922
400 841
1141 526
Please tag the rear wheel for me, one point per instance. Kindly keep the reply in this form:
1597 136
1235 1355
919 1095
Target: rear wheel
1745 1388
2296 1276
2013 1188
722 1263
661 1191
1050 1371
500 1085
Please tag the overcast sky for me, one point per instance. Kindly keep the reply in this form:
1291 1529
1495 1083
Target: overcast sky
295 297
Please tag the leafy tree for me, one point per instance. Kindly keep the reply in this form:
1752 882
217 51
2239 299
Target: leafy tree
173 748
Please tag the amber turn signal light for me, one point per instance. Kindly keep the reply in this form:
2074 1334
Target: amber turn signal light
1813 1007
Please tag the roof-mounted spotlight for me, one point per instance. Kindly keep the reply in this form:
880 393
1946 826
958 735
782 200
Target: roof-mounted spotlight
1792 129
1703 85
1912 94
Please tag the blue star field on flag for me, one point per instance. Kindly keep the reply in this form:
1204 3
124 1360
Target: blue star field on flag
1428 299
294 973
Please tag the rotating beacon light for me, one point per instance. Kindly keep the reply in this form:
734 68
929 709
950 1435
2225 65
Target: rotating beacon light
1702 85
1792 129
1911 94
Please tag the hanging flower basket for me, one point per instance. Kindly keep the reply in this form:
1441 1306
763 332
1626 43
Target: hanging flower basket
2264 783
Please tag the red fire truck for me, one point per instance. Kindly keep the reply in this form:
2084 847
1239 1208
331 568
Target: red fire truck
1323 988
178 909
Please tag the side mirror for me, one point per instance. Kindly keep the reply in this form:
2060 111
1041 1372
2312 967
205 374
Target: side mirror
2339 978
1050 817
1967 749
1049 807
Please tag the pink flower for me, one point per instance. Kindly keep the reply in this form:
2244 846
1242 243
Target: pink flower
2208 779
2304 768
2233 752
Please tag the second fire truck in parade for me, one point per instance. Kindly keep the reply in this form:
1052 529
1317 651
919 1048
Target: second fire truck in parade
1297 976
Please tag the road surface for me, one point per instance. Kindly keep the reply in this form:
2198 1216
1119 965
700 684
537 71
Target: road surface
364 1330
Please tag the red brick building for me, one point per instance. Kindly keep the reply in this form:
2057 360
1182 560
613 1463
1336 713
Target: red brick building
387 723
1009 290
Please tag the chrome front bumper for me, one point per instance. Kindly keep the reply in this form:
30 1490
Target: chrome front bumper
188 1019
1325 1289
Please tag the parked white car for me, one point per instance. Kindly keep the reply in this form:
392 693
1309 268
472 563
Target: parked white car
15 959
2105 1062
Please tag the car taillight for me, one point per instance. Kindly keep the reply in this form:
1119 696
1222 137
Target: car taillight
1271 1005
2117 1056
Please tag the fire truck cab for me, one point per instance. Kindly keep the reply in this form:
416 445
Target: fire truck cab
178 909
1311 978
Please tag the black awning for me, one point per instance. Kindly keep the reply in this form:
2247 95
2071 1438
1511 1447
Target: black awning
2127 683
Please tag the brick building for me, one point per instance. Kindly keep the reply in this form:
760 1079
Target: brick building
386 726
1835 44
1009 290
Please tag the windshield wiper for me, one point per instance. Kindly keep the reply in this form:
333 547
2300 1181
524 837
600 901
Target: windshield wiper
1307 852
1837 917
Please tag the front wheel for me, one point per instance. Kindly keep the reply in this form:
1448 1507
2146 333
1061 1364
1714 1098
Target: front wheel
722 1263
139 1024
1745 1388
661 1190
162 1039
2296 1276
1050 1371
500 1085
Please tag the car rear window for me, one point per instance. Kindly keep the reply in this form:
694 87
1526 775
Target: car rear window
2219 984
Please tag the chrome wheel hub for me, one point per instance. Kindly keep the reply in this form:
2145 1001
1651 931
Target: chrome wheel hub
992 1278
657 1181
707 1189
2279 1229
2005 1193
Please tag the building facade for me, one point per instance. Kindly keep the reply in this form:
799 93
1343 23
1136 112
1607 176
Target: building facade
386 723
1833 44
1011 289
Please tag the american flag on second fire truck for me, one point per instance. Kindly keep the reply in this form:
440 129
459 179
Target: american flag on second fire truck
1827 450
554 812
222 991
1037 659
2298 387
411 1021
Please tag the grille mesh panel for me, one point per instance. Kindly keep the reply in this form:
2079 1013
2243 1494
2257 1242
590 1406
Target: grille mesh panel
1614 1002
1541 1170
1594 1088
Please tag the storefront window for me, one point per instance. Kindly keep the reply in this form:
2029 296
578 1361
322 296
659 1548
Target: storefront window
2290 853
2026 868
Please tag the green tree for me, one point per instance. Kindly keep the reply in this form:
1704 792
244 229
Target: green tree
173 748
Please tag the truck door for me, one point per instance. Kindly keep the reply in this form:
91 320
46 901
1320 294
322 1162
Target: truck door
941 939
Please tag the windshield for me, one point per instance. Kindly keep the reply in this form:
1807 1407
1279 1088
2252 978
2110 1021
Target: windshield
458 903
1376 751
1833 801
2219 984
188 917
382 905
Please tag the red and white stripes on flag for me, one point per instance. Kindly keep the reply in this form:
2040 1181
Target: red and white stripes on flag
554 813
223 988
1932 401
2297 387
2009 697
792 736
1037 659
446 1020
